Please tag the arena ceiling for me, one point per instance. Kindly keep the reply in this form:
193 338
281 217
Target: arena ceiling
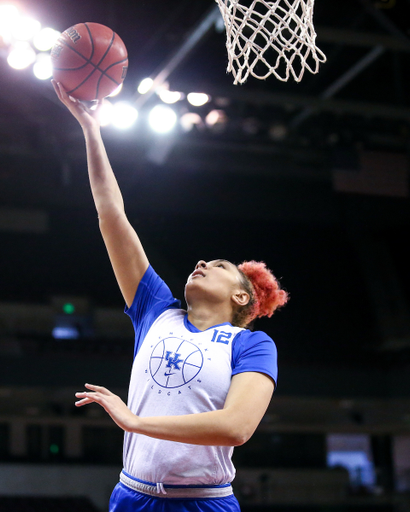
266 185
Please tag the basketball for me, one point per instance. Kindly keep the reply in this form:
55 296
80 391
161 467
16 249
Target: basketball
90 61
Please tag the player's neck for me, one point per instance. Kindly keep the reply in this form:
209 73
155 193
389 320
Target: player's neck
203 317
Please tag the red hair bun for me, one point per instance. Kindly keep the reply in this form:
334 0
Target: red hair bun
268 294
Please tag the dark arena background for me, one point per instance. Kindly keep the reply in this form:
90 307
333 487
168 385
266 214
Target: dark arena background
310 177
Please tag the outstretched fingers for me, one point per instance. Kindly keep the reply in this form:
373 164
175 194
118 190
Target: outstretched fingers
99 389
97 395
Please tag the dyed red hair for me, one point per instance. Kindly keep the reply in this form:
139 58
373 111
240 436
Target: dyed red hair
267 295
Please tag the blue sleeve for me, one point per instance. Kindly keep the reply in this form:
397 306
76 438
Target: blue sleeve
255 352
152 298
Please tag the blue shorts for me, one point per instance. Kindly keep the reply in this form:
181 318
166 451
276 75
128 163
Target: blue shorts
124 499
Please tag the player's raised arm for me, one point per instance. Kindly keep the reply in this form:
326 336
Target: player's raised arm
126 253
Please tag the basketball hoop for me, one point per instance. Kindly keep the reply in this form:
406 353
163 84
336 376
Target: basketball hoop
270 38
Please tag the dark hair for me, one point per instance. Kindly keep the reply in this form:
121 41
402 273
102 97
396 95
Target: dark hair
265 293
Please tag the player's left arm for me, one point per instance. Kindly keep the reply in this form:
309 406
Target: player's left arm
246 403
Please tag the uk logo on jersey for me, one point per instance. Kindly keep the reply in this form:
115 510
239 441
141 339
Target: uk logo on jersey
174 362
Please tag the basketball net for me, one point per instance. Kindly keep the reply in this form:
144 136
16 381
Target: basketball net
270 38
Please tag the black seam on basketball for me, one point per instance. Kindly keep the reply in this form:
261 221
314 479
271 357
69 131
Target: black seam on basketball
96 66
75 51
91 39
87 61
72 69
104 73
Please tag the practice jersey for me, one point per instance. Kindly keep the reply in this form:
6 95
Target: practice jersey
179 370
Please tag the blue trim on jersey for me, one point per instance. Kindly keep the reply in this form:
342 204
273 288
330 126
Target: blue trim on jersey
170 486
152 298
192 328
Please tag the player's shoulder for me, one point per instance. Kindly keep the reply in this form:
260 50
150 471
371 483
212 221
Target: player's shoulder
248 336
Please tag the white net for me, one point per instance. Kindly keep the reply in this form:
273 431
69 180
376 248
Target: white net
270 38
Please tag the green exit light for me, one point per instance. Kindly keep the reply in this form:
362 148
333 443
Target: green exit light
68 308
54 449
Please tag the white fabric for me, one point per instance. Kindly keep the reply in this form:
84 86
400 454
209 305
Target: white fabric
177 372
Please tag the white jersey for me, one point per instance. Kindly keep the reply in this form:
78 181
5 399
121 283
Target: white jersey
180 370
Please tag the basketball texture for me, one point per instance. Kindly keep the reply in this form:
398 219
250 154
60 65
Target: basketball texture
90 60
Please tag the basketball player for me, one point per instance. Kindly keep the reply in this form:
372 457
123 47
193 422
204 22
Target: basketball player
200 382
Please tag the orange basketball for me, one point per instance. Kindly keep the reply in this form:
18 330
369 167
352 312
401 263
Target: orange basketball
90 60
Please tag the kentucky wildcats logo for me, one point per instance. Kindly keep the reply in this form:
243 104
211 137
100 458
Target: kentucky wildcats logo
175 362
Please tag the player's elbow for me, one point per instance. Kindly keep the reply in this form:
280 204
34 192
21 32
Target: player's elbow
240 435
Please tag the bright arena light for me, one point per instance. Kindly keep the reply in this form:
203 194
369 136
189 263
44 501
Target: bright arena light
25 29
216 120
106 113
197 99
162 119
21 55
214 117
43 68
169 96
189 120
9 15
116 91
145 85
45 39
124 115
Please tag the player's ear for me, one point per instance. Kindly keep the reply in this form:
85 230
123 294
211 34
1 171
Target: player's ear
241 298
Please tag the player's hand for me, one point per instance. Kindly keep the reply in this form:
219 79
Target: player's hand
86 117
113 404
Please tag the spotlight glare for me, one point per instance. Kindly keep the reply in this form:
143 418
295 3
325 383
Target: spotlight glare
116 91
43 68
106 113
169 96
214 117
45 39
25 29
124 115
197 99
190 119
162 119
9 15
21 55
145 85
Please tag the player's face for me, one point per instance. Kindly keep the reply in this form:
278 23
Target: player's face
217 278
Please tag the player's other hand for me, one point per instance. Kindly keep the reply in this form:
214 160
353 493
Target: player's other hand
85 116
113 404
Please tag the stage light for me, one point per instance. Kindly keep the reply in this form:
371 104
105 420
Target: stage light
169 96
106 113
124 115
162 119
189 120
43 68
216 120
9 15
215 116
197 99
145 85
45 39
116 91
25 29
21 55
